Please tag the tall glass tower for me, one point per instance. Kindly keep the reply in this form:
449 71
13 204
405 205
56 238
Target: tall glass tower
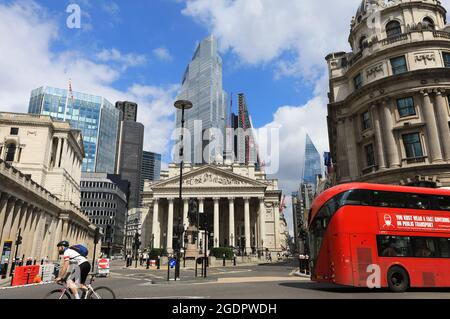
95 116
313 166
202 85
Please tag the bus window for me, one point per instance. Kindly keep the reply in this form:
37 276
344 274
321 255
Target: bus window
389 199
423 247
417 201
393 246
444 247
358 197
443 202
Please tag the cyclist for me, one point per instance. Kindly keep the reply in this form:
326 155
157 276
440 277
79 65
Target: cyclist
72 258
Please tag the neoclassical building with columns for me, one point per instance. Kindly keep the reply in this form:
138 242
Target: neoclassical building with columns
388 116
40 169
243 204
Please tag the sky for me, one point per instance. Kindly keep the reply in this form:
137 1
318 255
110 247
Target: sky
273 51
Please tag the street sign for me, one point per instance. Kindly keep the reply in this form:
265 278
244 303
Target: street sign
172 263
46 272
103 266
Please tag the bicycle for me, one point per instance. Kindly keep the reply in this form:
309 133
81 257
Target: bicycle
91 293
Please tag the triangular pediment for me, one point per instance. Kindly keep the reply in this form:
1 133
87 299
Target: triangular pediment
209 176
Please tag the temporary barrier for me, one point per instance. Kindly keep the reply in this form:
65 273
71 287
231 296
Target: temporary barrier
24 275
46 272
103 266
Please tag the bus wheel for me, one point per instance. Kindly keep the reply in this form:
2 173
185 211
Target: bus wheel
398 280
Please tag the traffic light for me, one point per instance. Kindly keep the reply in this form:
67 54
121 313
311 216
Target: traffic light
137 242
19 240
97 235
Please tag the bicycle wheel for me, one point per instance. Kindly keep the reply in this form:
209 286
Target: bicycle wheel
102 293
58 294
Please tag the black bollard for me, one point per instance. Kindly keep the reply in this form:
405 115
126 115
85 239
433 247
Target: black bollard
148 263
158 263
223 263
168 271
234 261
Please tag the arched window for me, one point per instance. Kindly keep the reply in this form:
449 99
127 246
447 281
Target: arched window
362 42
428 23
393 28
10 152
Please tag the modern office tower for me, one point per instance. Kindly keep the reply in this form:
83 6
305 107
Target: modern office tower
202 85
129 150
247 148
301 204
313 163
95 116
104 201
129 110
388 110
151 167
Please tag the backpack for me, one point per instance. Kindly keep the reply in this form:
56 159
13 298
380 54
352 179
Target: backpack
82 250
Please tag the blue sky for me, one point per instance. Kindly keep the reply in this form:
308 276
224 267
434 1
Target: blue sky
147 25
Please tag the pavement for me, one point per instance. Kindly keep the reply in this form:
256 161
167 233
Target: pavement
255 282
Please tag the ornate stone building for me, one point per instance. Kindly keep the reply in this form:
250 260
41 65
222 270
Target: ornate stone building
40 168
243 202
388 116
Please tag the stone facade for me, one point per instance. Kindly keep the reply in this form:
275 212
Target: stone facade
40 168
388 116
243 202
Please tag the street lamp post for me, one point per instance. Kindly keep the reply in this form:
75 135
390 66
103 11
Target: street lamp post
181 105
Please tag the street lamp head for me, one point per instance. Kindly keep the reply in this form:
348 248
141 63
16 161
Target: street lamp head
183 104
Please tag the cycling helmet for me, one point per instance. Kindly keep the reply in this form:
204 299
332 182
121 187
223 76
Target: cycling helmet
63 243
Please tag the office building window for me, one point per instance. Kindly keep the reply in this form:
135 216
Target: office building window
399 65
10 153
406 107
413 146
358 81
14 131
366 123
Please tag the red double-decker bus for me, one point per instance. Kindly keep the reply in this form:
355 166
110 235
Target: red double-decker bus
402 234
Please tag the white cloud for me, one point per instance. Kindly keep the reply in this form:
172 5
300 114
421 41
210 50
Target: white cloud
163 54
26 62
125 60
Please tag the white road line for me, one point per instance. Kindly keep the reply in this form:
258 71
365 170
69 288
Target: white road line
172 297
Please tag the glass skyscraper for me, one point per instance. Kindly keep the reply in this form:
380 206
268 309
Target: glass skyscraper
95 116
151 167
313 166
202 85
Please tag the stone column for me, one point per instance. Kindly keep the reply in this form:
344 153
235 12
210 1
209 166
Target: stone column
4 198
21 227
58 152
433 135
15 222
201 205
379 147
170 226
262 223
185 213
155 225
276 210
10 206
232 235
391 145
352 155
442 118
248 247
216 222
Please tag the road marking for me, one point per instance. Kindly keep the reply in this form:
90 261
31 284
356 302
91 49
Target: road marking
172 297
26 286
236 280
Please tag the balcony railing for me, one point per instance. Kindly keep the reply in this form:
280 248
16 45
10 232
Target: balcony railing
398 38
414 160
370 169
